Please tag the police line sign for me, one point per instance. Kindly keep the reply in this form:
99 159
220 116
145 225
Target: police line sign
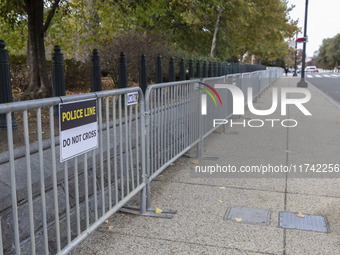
78 128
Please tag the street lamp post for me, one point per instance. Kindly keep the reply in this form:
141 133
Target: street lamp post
295 64
302 82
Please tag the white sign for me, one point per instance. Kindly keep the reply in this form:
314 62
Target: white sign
132 98
78 128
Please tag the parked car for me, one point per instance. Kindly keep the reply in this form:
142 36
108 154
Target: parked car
311 69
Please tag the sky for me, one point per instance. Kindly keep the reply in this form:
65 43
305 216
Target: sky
323 21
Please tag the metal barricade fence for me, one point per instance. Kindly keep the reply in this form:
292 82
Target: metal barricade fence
72 204
173 114
136 143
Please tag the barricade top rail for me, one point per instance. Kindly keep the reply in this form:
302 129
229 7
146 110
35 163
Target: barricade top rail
46 102
166 84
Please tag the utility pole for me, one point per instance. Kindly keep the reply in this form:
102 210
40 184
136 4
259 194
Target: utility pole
295 65
302 83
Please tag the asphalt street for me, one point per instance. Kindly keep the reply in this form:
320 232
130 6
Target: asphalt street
329 83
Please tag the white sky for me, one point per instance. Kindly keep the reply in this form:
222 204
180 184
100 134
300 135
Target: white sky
323 21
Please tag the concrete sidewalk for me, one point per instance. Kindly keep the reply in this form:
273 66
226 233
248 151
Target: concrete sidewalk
199 226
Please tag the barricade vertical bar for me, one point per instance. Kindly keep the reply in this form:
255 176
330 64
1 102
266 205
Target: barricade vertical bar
29 182
67 201
121 146
158 127
155 129
137 143
94 175
108 152
126 146
13 183
76 193
130 147
150 134
143 205
101 158
168 124
42 180
54 174
182 114
86 191
162 127
1 246
177 119
114 115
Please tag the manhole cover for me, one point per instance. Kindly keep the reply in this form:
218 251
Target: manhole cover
248 215
309 222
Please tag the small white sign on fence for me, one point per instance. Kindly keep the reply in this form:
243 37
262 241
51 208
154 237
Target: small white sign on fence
132 98
78 128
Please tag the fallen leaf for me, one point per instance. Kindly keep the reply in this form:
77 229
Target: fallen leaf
288 151
172 164
196 161
170 196
238 219
107 221
121 214
221 187
110 227
182 164
157 210
160 176
299 214
221 201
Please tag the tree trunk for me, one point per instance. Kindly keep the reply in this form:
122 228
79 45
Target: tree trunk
38 82
216 32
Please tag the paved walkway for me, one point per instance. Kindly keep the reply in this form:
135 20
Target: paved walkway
199 226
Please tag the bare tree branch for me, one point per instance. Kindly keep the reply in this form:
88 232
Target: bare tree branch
50 15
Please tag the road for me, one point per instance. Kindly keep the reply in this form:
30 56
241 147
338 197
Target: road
329 83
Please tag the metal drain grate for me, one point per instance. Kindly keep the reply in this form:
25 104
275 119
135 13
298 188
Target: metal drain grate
309 222
248 215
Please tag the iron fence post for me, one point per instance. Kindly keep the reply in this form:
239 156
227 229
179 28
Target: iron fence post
172 76
198 69
191 68
159 72
215 69
5 84
210 69
205 69
96 81
143 76
122 74
58 77
219 69
182 70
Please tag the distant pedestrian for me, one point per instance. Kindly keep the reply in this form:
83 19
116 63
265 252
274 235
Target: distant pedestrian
286 70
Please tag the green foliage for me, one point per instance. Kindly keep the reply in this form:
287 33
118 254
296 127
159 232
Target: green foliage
247 26
329 53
